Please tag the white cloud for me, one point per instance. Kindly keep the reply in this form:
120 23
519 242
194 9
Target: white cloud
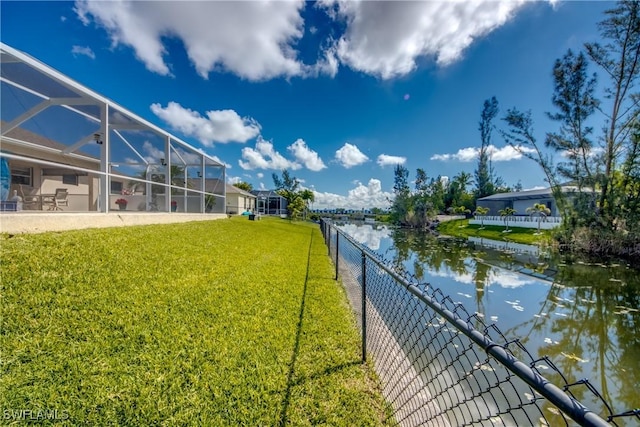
251 39
152 153
360 197
233 179
258 40
470 154
217 159
83 50
595 151
508 153
221 126
350 155
306 156
386 160
412 29
265 157
260 175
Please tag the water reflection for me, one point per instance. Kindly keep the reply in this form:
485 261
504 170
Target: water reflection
369 235
584 316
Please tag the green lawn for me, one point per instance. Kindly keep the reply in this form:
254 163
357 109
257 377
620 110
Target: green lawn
228 322
462 228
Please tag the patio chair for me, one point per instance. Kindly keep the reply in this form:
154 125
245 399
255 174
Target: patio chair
30 200
60 198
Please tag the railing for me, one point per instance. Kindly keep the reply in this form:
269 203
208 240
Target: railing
519 221
440 366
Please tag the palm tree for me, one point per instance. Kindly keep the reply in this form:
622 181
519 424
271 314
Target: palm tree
307 196
541 210
481 212
461 210
506 213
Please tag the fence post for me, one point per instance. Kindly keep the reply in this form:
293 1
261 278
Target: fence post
364 307
337 251
327 239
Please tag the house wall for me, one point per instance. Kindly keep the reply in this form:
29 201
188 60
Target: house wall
233 204
521 206
495 206
82 197
238 203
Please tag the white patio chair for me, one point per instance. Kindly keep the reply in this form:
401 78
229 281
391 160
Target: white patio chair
60 198
30 200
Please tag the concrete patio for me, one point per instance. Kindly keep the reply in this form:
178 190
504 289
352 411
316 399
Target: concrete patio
40 222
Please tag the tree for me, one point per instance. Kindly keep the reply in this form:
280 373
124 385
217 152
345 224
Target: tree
619 58
287 187
541 210
574 100
401 201
506 213
244 186
422 207
457 194
437 193
485 181
295 206
520 136
307 197
461 210
481 212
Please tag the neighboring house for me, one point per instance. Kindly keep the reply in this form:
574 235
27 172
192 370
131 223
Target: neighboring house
56 134
270 203
521 200
239 200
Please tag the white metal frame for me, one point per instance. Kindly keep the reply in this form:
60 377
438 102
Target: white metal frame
104 128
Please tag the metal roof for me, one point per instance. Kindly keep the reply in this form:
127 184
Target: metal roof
529 194
265 193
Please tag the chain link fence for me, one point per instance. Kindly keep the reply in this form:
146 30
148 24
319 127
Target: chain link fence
441 366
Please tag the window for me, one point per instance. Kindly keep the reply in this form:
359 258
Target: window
70 179
21 175
116 187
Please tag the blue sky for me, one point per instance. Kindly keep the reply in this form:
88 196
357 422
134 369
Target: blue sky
335 91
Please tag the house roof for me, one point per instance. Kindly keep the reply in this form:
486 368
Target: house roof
265 193
235 190
530 194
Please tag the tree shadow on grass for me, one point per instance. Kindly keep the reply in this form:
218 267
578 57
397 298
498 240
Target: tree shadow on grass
296 349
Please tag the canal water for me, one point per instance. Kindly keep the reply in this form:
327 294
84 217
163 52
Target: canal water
583 315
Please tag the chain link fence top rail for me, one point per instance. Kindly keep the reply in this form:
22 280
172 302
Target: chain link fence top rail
441 366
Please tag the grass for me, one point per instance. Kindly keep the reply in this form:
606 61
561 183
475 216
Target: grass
462 228
229 322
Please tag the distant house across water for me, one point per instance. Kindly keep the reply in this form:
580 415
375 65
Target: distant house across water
521 200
